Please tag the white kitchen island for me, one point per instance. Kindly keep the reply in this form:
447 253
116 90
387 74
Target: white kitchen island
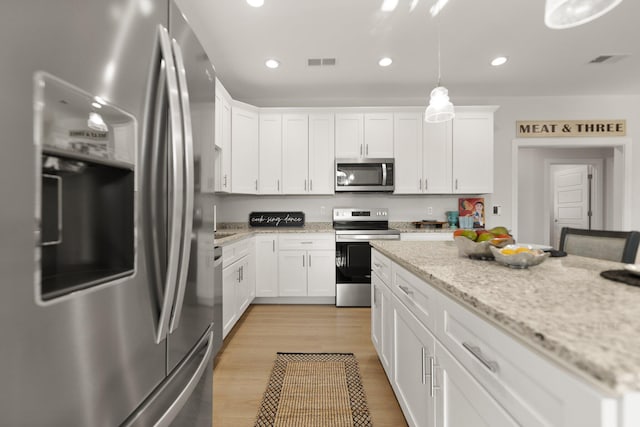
469 342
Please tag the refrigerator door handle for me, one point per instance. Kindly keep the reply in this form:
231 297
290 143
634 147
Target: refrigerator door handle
183 267
172 411
176 187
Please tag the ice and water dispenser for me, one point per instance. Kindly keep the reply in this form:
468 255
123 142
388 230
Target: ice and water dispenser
86 201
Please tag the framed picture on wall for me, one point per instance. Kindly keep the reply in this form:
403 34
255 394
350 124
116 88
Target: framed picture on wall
474 207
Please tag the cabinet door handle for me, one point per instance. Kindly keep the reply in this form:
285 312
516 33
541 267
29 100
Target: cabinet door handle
375 299
256 185
366 151
273 244
420 184
309 260
432 377
360 149
238 275
303 257
310 185
278 186
477 353
426 184
376 265
456 183
423 364
225 180
405 290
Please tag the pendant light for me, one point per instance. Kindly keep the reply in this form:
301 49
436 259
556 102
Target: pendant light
440 108
560 14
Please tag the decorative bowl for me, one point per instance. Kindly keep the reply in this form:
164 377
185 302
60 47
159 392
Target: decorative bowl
519 256
467 247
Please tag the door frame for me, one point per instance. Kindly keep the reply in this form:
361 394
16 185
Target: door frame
622 159
597 191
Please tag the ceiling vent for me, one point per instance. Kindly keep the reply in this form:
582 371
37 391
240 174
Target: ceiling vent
321 62
607 59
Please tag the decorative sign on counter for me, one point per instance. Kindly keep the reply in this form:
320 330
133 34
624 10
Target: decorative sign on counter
276 219
570 128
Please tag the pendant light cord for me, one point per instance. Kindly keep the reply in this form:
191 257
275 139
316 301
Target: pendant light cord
438 32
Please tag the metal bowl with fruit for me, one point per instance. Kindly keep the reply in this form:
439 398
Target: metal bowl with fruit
477 243
519 256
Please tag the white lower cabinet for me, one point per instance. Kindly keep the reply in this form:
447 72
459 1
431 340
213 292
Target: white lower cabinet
307 273
460 400
306 265
238 282
451 368
413 348
382 322
266 265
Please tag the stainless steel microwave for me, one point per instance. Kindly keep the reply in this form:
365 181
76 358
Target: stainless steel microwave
364 175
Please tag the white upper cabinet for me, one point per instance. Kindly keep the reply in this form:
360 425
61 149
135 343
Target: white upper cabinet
270 154
349 136
473 151
408 153
295 151
450 157
321 154
222 139
437 158
367 135
378 135
244 155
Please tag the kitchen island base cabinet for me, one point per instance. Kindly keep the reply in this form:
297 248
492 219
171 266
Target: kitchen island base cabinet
473 373
382 323
414 346
460 400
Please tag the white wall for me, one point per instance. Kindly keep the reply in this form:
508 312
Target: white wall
511 109
319 208
531 191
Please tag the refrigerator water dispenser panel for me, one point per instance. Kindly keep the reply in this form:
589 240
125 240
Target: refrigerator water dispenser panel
86 198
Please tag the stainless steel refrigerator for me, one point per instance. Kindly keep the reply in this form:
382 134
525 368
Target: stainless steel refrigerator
108 296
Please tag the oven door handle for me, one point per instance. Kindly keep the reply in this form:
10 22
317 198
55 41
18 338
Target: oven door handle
365 237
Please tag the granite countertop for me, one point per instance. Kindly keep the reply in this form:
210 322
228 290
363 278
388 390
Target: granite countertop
562 306
407 227
233 231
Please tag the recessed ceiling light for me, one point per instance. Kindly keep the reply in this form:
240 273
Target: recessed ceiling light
256 3
499 61
389 5
272 63
385 62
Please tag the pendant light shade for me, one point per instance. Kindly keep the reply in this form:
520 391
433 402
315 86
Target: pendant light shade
560 14
440 108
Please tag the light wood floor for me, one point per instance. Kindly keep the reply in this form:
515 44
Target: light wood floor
245 361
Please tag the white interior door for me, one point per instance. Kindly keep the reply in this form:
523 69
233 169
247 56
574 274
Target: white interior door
570 199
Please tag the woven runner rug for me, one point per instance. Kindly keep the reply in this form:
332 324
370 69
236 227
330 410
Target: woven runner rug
314 390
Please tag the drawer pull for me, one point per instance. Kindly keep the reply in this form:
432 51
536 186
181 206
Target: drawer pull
376 265
405 290
306 243
477 353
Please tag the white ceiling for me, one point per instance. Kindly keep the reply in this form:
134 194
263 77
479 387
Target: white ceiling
239 38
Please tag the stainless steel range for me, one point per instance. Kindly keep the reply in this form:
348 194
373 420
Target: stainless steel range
355 228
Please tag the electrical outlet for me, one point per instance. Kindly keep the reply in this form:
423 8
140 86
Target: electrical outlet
429 210
497 210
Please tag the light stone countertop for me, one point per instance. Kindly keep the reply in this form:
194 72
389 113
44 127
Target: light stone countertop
562 307
407 227
240 231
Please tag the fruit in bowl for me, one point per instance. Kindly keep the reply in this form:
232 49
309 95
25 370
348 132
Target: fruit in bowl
519 256
476 243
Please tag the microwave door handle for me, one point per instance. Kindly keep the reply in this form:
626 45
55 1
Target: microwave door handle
187 225
176 183
384 174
